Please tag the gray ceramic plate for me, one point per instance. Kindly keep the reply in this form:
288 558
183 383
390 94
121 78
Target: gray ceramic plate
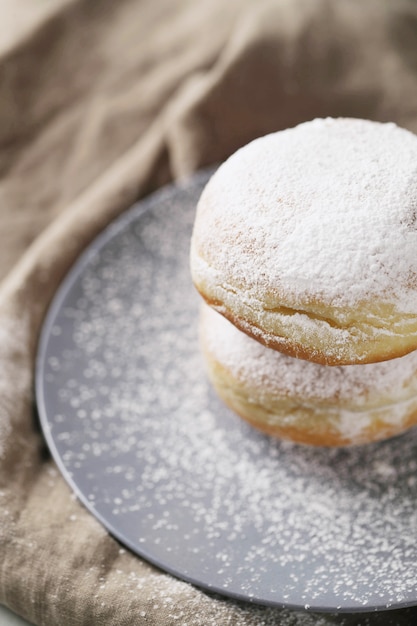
150 450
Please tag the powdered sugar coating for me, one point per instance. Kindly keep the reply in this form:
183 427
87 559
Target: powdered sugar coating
359 386
305 239
325 210
303 401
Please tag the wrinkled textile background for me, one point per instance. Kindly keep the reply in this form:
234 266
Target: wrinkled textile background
100 103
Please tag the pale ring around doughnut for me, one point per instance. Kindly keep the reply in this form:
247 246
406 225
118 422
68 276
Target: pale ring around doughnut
306 402
306 239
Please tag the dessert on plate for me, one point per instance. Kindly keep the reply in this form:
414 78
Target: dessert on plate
305 240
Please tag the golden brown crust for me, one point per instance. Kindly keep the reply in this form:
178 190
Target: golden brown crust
375 432
381 349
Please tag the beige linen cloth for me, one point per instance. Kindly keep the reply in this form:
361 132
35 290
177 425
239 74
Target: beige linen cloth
100 103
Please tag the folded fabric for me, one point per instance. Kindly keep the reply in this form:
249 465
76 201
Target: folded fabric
100 103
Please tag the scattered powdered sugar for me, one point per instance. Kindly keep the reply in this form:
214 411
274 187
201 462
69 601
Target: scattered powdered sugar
359 386
140 435
323 211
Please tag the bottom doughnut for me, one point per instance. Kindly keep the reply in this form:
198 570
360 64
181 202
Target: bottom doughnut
306 402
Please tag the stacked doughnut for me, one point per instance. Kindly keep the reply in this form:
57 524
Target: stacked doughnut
304 249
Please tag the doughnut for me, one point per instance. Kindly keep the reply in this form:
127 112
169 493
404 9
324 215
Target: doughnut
306 240
303 401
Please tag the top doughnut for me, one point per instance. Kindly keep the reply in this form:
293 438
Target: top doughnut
306 239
